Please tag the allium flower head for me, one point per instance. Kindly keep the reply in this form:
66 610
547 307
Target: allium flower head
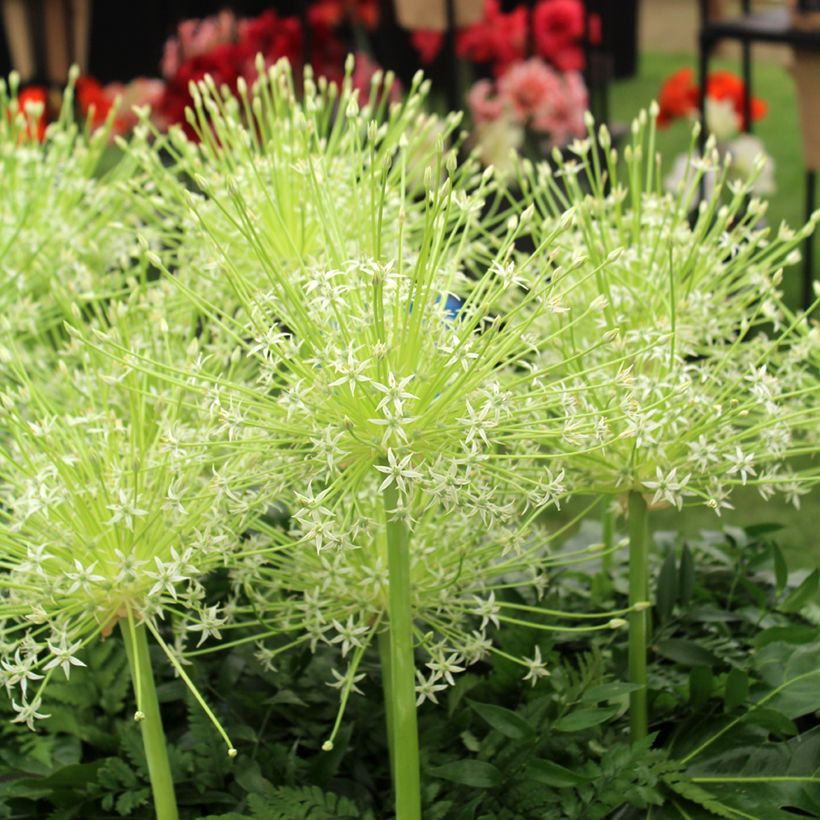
65 233
385 386
716 387
114 507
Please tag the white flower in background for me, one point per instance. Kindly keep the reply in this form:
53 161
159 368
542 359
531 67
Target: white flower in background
749 157
721 119
681 178
498 142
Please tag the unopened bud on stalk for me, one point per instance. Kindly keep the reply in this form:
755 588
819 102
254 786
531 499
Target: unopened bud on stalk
139 716
616 623
327 746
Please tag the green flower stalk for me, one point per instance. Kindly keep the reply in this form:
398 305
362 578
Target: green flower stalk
380 415
716 384
114 511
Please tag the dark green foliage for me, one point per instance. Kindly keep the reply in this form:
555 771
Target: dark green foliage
734 694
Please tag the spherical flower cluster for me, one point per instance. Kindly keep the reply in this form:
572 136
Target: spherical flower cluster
385 387
114 507
714 387
65 233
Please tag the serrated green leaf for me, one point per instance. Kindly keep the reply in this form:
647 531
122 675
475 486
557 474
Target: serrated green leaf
701 797
551 774
580 719
476 773
505 721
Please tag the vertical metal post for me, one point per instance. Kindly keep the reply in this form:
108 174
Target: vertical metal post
704 47
808 251
454 103
747 86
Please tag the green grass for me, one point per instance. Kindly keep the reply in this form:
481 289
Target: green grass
779 131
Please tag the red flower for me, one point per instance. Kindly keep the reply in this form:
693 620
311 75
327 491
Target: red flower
32 96
332 13
220 63
270 35
499 38
93 101
558 27
427 43
678 97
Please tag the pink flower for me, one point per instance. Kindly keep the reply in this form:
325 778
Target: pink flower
484 105
528 87
141 91
562 116
196 37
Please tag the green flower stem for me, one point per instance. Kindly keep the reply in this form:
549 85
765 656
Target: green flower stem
387 688
402 672
153 737
638 621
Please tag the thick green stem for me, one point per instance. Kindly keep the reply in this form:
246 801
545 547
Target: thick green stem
402 673
387 689
638 621
153 737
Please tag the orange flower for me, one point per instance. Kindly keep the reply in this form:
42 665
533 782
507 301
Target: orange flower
679 96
